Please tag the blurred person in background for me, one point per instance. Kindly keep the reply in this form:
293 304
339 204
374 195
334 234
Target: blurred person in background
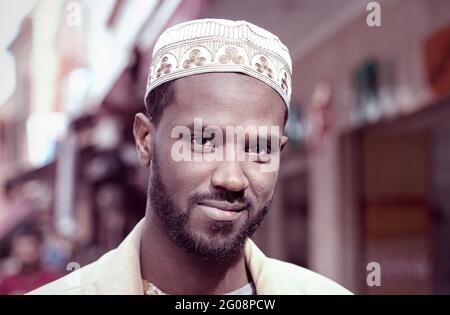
27 271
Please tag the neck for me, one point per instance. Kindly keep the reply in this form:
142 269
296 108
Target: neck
175 271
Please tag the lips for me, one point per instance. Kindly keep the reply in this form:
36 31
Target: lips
222 210
223 205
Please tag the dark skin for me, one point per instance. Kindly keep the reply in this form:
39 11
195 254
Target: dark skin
220 99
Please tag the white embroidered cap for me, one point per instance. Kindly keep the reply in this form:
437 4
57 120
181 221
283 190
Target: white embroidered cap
217 45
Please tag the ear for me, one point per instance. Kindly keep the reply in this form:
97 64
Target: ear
144 132
283 142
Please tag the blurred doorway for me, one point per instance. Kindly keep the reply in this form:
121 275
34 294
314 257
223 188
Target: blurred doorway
402 192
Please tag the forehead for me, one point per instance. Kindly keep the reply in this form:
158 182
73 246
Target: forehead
225 99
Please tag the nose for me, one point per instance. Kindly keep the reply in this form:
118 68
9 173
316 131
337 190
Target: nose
230 176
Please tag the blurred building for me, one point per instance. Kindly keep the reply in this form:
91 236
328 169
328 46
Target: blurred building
366 176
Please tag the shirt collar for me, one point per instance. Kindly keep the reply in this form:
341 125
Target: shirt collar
120 273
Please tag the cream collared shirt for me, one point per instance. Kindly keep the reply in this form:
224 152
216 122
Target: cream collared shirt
118 272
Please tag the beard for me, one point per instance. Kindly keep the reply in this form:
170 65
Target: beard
176 221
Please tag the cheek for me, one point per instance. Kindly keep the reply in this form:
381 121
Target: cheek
264 184
187 173
183 177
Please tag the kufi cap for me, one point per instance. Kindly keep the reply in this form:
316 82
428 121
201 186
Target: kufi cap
217 45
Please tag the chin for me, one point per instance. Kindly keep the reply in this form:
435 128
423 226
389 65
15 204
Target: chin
215 245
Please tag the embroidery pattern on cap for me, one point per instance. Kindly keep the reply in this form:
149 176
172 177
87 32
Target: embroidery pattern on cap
263 67
195 58
285 81
165 67
231 55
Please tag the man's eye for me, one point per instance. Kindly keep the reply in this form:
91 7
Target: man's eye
205 142
201 140
257 149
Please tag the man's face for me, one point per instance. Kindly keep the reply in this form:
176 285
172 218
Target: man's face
210 207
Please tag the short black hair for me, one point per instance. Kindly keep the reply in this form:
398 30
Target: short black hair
163 95
158 99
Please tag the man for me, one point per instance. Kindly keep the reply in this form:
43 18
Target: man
217 101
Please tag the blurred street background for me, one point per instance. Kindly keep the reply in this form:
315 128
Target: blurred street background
365 177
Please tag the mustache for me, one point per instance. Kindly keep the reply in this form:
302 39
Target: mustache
220 195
